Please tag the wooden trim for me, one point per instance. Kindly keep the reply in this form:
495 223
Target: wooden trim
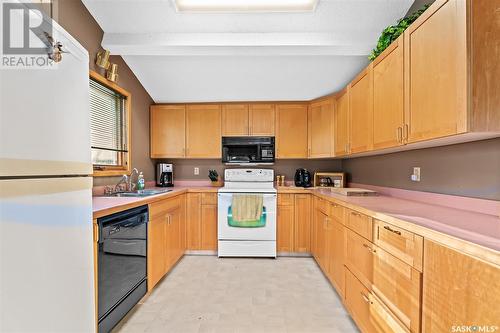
126 167
394 45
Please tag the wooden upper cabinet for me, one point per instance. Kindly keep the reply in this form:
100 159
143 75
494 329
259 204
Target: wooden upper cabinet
436 69
167 126
291 130
203 131
341 122
262 119
235 121
388 96
361 112
320 121
472 285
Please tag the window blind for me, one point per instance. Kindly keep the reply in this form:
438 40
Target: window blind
107 124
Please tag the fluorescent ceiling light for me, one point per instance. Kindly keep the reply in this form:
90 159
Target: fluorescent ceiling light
245 5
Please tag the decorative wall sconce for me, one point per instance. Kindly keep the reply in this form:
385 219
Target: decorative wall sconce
103 59
111 69
112 73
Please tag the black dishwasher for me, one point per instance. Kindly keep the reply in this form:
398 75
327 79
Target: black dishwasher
122 264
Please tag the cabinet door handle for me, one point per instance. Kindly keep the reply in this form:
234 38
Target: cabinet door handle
386 227
365 298
406 132
356 214
369 248
400 134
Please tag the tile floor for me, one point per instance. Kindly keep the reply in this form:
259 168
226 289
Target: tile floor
207 294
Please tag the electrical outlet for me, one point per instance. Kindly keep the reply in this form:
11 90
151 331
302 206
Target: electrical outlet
416 174
196 171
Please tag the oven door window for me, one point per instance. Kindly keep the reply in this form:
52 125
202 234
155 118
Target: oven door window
259 223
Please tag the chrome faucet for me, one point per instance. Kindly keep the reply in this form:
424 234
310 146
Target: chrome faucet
123 180
132 186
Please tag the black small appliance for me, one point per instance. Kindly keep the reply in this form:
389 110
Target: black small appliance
164 175
302 178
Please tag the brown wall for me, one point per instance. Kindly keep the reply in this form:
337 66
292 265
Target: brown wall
468 169
183 169
74 17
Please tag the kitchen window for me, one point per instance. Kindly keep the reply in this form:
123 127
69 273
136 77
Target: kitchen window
109 127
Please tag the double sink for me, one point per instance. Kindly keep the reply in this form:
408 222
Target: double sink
138 194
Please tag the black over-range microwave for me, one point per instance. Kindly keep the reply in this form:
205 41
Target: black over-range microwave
248 149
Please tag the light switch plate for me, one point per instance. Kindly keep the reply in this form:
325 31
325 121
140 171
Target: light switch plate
196 171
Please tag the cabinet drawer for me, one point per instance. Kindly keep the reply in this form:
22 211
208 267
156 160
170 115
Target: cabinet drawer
367 310
337 213
360 223
285 199
403 244
209 198
160 208
322 205
392 280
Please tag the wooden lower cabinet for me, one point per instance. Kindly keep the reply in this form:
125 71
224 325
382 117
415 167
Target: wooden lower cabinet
165 233
302 223
294 223
458 290
336 247
201 212
284 232
193 218
395 282
209 227
367 310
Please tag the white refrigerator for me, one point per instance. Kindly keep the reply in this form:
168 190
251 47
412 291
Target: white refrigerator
46 239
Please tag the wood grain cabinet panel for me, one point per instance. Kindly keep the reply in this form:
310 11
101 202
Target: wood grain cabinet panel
337 242
436 71
165 244
167 131
193 218
285 199
388 96
360 223
156 251
285 224
209 198
209 227
291 131
262 119
203 131
361 112
393 281
402 244
458 290
235 120
302 223
341 124
367 310
320 130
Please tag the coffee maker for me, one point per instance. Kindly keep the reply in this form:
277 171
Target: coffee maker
164 175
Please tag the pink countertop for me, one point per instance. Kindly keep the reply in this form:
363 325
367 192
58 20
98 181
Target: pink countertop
478 228
481 229
102 205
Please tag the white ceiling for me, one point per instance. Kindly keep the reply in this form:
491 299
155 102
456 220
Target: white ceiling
197 57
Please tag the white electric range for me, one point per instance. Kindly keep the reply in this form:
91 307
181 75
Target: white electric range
254 241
